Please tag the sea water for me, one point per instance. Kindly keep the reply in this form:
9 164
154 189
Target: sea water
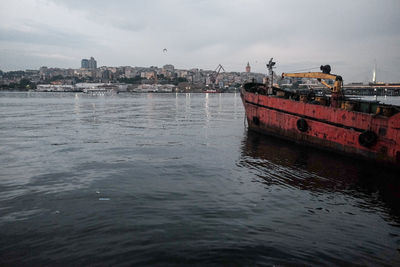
177 179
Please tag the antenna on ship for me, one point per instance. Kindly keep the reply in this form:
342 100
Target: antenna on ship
270 67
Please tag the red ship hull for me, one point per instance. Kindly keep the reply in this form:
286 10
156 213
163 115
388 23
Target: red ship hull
371 136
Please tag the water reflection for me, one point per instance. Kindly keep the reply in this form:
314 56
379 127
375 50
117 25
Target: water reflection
235 105
76 104
276 161
207 109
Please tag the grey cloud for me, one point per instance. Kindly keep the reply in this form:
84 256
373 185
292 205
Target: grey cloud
46 35
298 33
267 21
12 59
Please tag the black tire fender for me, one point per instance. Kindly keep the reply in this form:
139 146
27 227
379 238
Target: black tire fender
256 120
302 125
367 138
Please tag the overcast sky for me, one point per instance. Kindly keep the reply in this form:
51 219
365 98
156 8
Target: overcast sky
348 35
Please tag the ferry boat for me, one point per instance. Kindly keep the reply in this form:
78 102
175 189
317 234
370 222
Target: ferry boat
367 129
101 89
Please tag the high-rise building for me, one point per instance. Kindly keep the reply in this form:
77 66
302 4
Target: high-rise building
85 64
248 67
92 63
89 63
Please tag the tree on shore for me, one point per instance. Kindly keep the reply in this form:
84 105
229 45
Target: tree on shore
24 85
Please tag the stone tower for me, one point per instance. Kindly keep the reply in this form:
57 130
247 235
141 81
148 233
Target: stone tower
248 67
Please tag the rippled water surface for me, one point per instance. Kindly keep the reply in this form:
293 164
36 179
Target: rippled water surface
176 179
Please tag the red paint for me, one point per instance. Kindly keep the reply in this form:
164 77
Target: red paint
328 127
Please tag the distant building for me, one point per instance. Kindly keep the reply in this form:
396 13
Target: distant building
248 67
106 75
89 63
85 63
148 74
169 67
43 72
165 88
55 88
92 63
131 72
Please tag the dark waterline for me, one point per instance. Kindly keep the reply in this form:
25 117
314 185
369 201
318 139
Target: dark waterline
159 179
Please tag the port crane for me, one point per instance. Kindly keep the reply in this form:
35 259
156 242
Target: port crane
214 75
337 92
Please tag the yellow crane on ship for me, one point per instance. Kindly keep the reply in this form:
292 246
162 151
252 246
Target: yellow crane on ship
337 92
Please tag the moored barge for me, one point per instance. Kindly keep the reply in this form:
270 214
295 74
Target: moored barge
368 129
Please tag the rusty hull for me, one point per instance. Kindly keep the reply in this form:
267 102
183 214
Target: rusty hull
328 128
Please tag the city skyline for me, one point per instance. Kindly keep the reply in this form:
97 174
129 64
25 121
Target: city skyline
203 34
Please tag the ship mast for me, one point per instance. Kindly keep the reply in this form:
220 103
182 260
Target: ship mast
270 67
